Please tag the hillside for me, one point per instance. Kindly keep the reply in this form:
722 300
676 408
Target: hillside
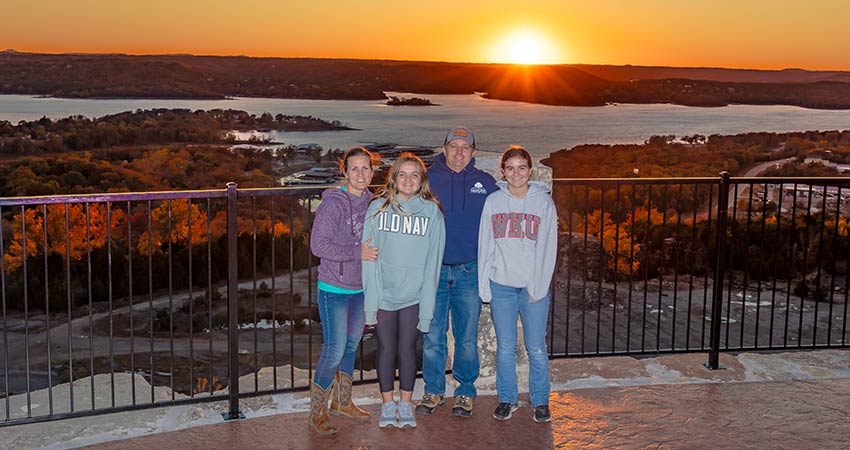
187 76
628 72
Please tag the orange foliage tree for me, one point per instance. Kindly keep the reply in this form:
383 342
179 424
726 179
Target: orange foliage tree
179 216
80 221
178 212
621 239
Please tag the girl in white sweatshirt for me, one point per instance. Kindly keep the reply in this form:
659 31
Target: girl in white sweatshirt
517 245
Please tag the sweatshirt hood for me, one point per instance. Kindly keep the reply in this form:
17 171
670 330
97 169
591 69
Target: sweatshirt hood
338 194
535 188
412 206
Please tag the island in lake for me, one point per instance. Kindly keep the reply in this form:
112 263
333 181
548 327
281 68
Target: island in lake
411 101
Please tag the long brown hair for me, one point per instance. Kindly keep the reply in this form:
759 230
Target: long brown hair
390 192
514 151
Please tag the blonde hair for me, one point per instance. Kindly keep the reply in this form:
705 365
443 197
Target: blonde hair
390 191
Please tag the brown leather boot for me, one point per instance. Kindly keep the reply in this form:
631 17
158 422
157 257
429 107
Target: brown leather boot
341 404
319 419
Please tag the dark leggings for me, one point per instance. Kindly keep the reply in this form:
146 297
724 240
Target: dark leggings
397 335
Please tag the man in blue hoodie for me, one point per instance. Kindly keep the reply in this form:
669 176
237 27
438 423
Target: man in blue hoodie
461 189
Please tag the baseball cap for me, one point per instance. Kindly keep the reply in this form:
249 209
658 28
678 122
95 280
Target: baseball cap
462 133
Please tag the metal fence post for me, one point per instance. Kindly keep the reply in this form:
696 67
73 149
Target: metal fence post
721 245
232 308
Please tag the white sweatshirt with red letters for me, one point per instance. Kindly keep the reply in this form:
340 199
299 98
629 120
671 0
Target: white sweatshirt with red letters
518 241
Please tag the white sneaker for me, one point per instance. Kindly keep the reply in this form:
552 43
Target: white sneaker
389 415
405 415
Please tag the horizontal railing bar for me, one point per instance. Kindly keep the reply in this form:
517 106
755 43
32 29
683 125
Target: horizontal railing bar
286 190
291 190
101 411
592 354
790 347
100 198
615 181
818 181
703 180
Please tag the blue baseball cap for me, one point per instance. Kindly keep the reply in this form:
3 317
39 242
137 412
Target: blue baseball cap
461 133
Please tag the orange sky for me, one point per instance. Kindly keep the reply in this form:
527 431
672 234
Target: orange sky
721 33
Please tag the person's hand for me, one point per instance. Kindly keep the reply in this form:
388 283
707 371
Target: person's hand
367 252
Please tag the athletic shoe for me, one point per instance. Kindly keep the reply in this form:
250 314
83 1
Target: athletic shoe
542 414
405 415
462 407
389 415
429 403
505 410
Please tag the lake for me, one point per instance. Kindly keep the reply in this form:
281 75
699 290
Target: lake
497 124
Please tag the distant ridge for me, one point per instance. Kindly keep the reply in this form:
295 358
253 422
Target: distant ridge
218 77
789 75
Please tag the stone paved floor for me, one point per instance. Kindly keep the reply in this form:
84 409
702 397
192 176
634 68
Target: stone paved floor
798 414
793 400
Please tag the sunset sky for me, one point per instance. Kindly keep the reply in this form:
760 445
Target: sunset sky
768 34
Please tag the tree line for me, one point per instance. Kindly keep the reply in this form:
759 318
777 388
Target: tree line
145 127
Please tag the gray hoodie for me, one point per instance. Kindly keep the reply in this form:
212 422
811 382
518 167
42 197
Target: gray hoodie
518 241
410 251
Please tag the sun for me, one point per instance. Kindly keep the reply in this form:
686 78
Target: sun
525 47
525 50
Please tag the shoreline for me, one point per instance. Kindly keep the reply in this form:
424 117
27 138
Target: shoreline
483 95
486 96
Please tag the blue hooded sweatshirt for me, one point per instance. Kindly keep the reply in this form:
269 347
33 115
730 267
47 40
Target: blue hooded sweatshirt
462 196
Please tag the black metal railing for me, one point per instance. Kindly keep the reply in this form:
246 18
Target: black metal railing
127 301
674 265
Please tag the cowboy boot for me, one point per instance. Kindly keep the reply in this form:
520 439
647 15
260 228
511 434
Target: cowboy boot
341 404
319 419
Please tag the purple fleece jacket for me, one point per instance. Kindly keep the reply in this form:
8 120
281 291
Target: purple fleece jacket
335 237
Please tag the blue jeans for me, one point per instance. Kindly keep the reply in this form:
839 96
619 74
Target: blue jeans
457 295
506 303
342 327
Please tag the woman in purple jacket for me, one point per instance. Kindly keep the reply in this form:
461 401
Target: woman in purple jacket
335 238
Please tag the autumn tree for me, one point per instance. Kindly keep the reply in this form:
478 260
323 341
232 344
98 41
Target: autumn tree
86 226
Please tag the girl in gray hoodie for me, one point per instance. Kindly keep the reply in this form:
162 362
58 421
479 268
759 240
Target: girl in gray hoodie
517 245
406 224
